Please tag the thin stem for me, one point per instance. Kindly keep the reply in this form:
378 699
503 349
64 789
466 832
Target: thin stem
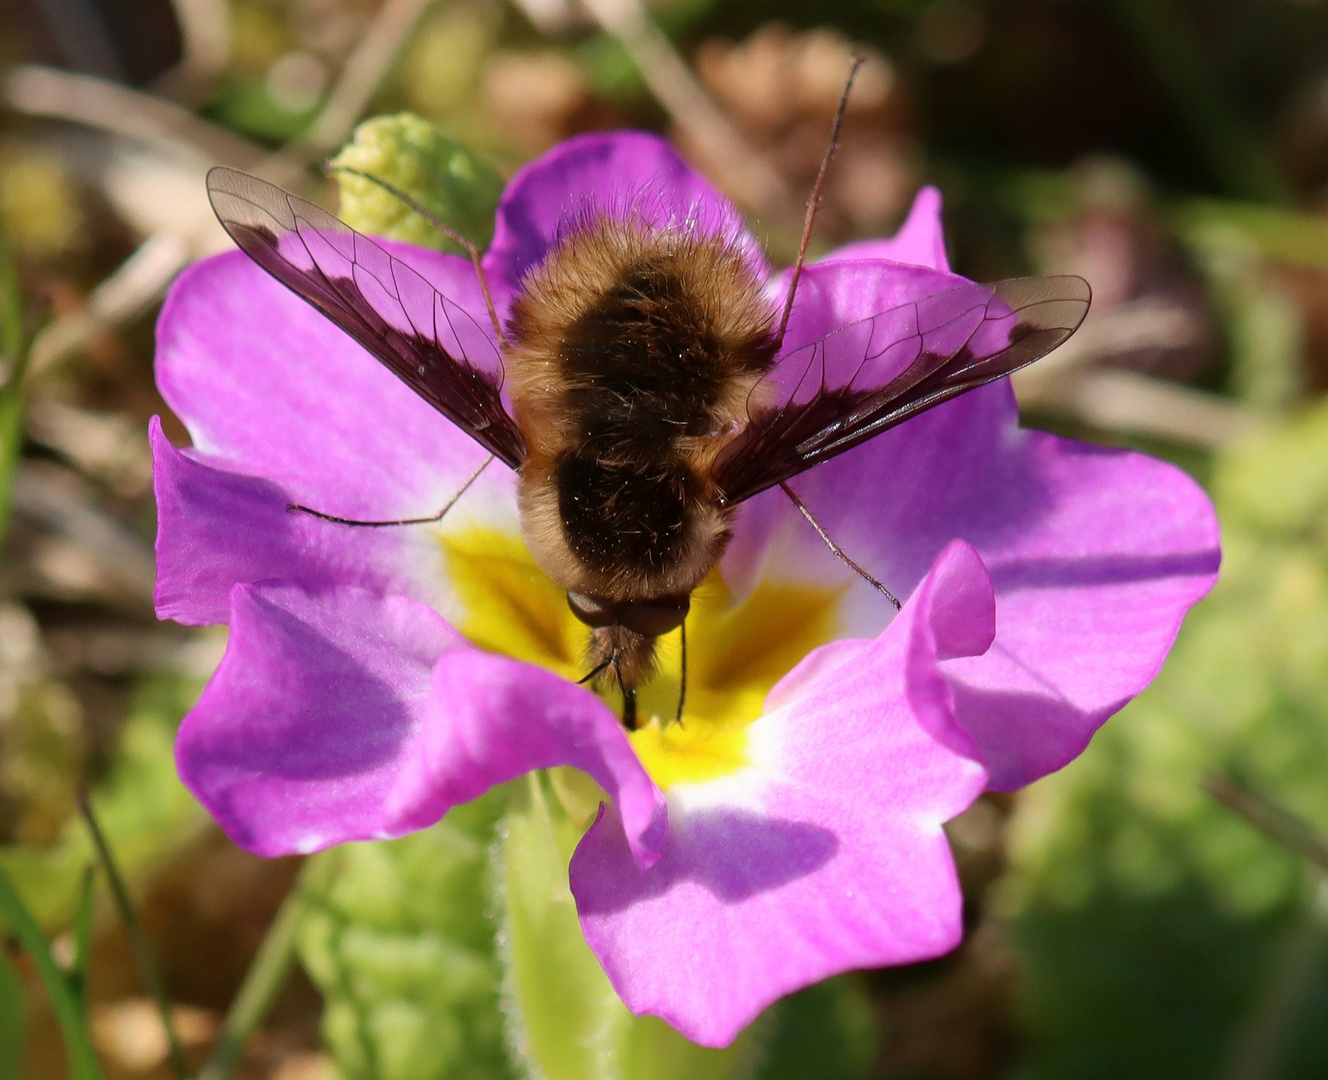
360 76
78 971
138 941
1271 819
68 1009
690 106
14 356
270 968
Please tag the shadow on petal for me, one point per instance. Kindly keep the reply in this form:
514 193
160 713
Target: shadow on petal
733 854
315 686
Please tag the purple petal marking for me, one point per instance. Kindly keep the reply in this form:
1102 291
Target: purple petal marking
827 854
267 386
217 529
920 240
628 175
491 719
341 715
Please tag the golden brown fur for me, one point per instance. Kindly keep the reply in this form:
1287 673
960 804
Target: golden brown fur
632 354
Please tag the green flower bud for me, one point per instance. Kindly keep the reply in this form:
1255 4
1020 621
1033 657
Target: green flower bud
443 176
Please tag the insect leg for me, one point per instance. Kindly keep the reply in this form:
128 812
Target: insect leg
442 226
814 201
682 682
628 696
296 508
837 551
593 672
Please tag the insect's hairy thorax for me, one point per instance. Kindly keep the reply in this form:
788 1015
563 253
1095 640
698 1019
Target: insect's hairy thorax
631 360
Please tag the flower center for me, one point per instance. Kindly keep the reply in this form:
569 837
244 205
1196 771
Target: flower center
736 651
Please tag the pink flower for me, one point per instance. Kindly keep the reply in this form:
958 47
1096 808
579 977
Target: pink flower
791 828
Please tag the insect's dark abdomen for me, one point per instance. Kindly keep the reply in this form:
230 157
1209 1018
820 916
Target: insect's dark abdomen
640 364
631 356
624 515
641 373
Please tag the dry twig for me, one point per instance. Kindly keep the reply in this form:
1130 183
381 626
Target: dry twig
691 108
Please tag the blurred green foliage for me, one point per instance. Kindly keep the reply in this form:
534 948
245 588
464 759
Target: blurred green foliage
403 952
413 939
1161 935
142 806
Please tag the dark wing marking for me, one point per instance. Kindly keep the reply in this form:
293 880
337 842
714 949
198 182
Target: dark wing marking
426 340
836 393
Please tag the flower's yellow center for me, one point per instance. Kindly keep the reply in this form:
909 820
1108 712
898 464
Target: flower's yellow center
736 651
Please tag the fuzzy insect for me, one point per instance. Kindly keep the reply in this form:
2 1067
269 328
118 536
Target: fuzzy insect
649 391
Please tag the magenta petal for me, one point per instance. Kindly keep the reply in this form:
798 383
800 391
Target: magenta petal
341 715
1114 549
269 387
826 854
217 529
298 739
491 719
834 295
1096 555
920 241
628 175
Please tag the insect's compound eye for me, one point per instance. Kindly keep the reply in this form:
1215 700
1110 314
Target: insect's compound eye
594 611
651 618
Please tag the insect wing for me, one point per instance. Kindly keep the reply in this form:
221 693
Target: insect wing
838 392
426 340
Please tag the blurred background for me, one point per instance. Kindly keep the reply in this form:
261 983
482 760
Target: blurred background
1156 910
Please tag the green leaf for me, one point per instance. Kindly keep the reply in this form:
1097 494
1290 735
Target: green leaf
13 355
564 1017
11 1020
65 1004
402 949
82 930
443 176
1159 931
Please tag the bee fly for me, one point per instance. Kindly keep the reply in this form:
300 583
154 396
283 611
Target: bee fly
649 393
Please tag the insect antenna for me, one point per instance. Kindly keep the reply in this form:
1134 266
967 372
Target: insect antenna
814 200
442 226
837 551
296 508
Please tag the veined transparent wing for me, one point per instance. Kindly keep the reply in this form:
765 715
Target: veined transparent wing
421 336
836 393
